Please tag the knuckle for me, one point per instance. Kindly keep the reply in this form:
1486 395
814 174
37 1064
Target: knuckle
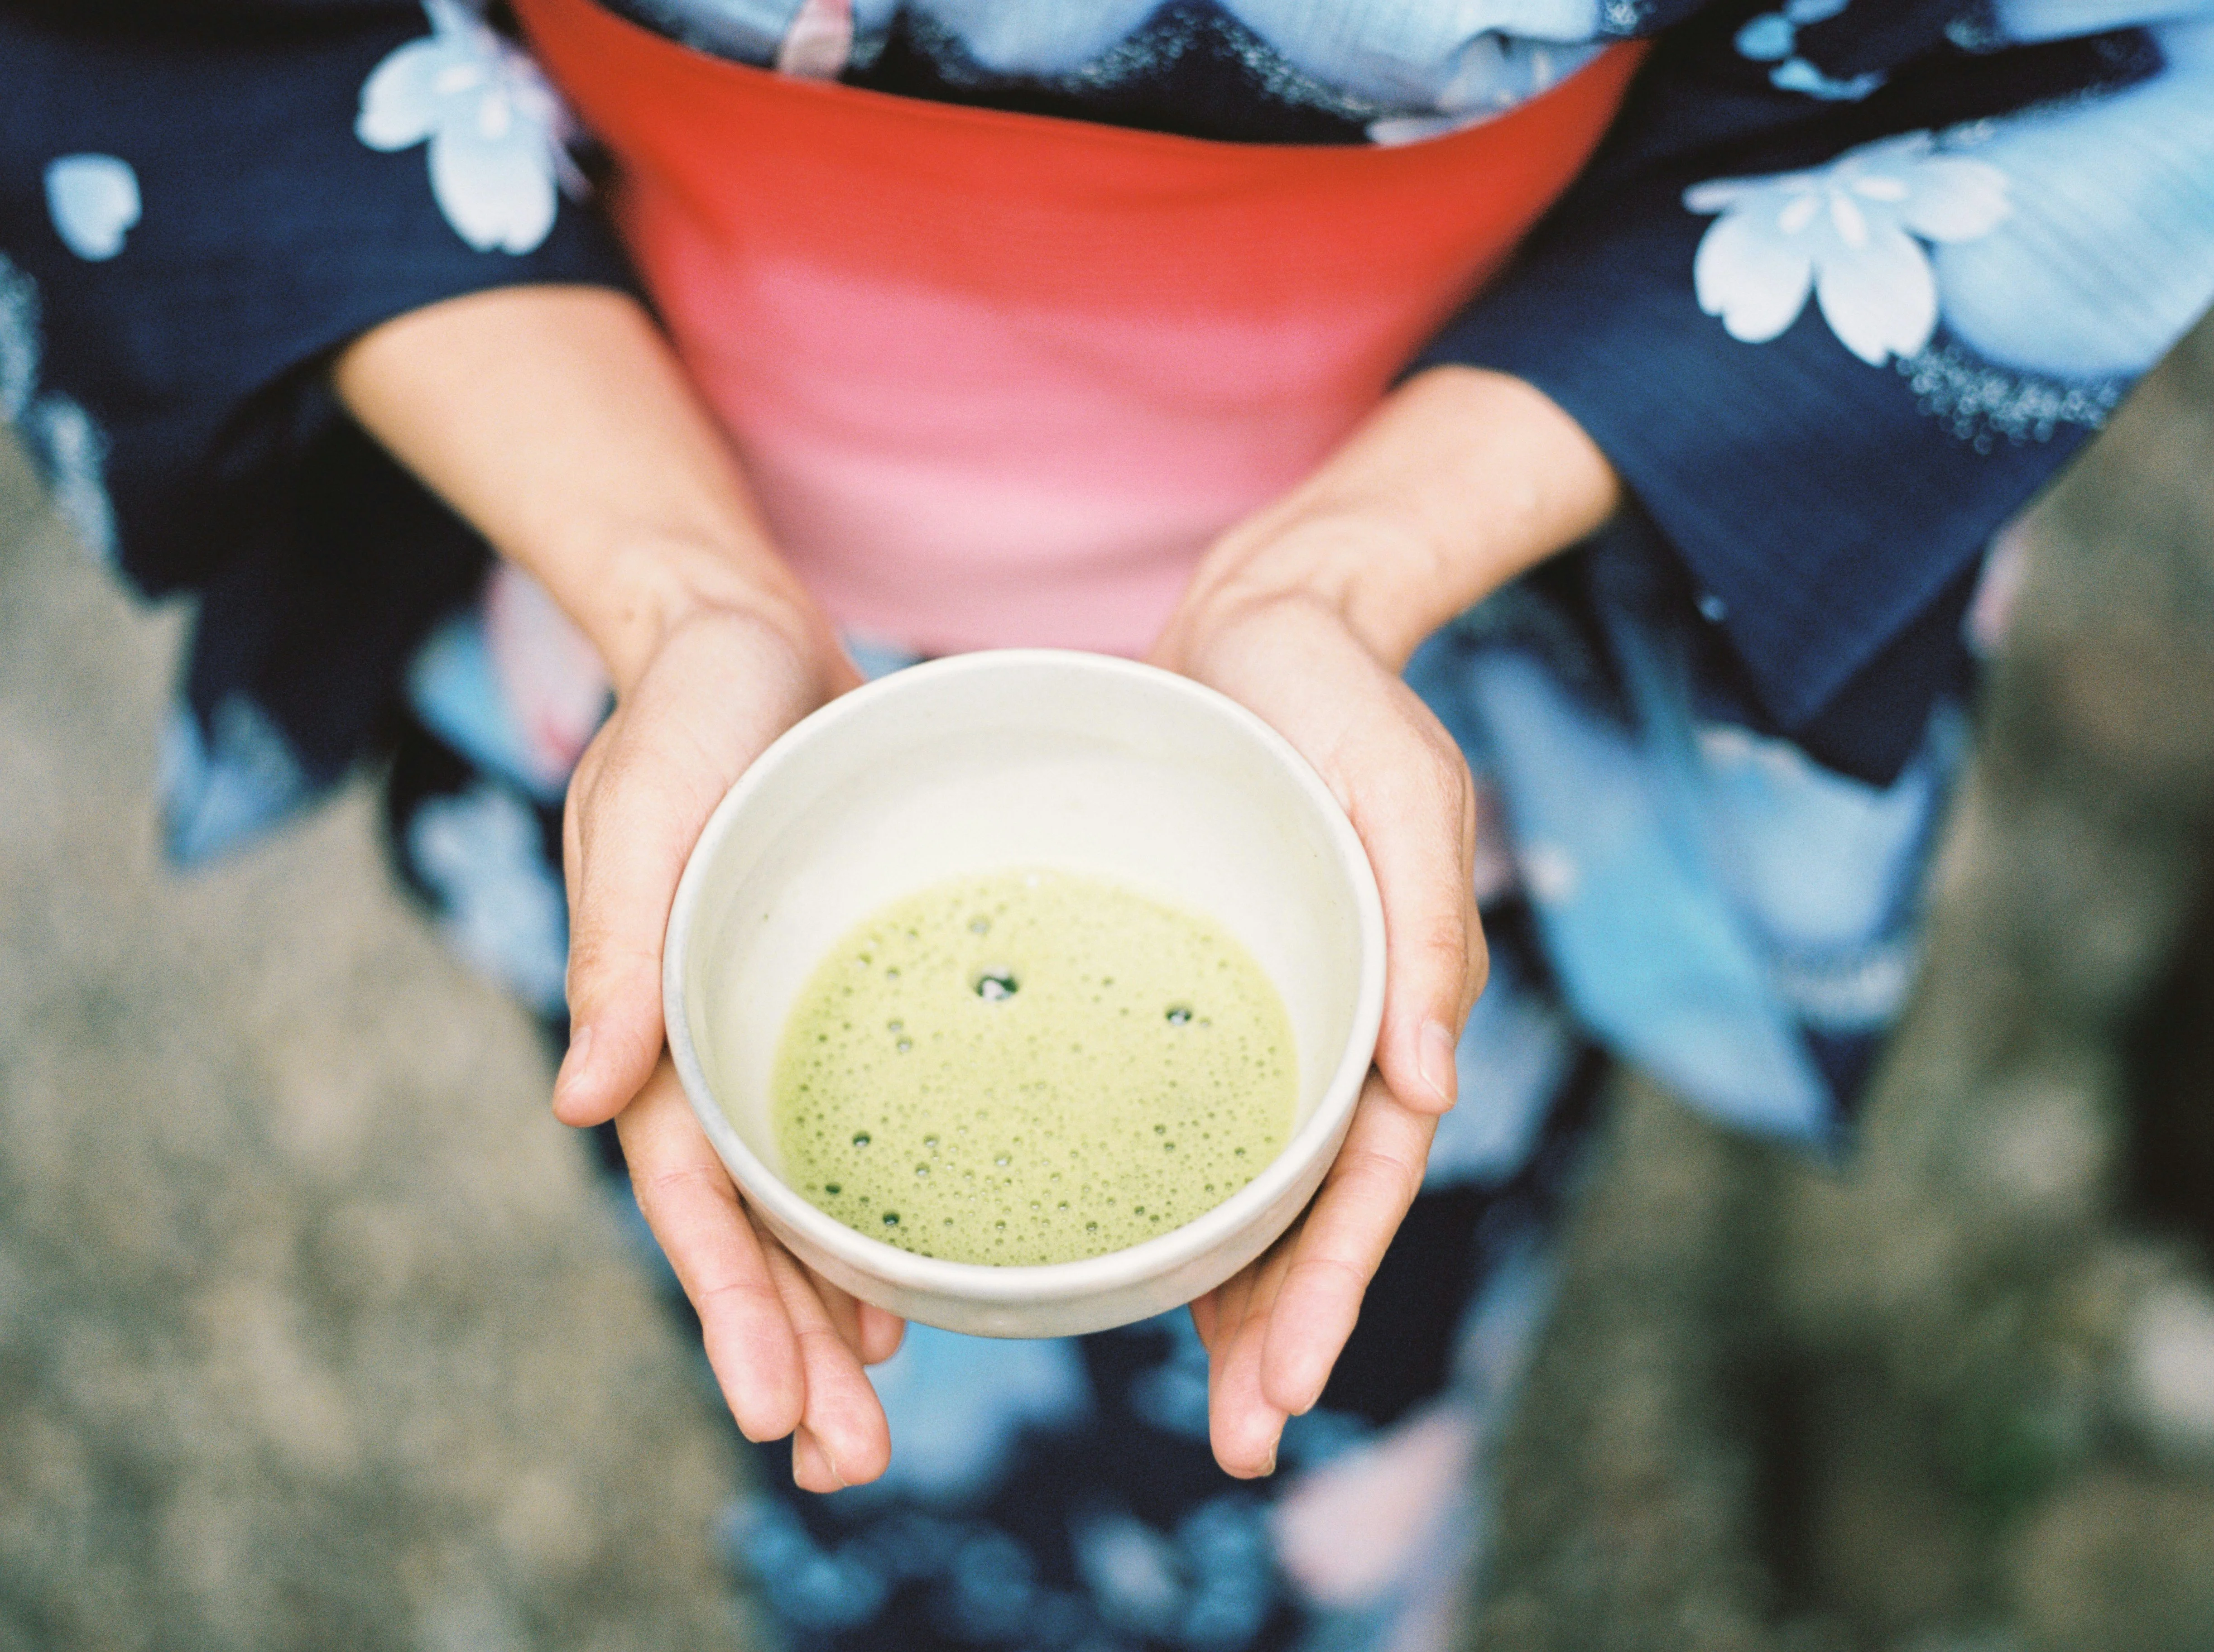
660 1188
1425 777
1446 769
597 958
1387 1173
1429 791
734 1295
819 1342
1329 1270
1444 938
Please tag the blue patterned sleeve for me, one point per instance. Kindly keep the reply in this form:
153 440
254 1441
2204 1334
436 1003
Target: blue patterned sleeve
1847 283
198 205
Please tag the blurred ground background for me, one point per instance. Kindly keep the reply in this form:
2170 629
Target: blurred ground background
314 1332
1958 1395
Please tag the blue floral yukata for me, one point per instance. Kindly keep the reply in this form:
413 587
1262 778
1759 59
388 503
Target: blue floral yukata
1847 283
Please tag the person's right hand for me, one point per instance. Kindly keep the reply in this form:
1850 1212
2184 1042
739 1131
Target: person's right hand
787 1346
558 422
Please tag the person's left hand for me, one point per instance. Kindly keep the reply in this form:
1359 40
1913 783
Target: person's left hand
1306 614
1274 1331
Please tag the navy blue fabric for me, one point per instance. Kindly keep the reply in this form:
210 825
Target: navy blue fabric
1825 521
270 235
1824 516
1201 72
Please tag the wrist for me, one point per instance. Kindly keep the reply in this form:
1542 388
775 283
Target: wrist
558 422
653 586
1460 481
1362 570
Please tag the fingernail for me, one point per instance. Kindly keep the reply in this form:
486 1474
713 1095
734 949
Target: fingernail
1435 1058
574 1065
807 1445
1270 1468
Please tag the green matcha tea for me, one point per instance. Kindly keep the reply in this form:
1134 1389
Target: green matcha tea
1031 1066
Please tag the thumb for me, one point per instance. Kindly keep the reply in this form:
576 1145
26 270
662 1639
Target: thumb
625 840
1414 806
722 687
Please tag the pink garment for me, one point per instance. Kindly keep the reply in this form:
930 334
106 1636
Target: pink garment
1000 378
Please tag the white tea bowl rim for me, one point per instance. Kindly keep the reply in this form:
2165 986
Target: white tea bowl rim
1015 1285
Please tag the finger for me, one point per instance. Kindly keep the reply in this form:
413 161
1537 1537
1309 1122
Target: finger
1204 1317
582 778
621 864
1375 1178
811 1467
687 1200
1224 1307
881 1333
1410 798
1407 789
845 1314
871 1333
718 692
1244 1425
843 1418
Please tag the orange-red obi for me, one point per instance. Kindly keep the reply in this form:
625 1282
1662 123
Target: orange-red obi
1001 378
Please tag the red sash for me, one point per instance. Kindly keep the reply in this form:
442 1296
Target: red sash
1001 378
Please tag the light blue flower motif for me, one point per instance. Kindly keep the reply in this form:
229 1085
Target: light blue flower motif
94 202
1172 1395
1513 1055
218 791
504 911
1034 40
1847 232
495 127
1768 38
19 340
2107 256
1651 957
957 1405
72 451
1406 56
807 1584
1489 75
1823 868
992 1586
1773 37
1209 1586
2055 20
1797 75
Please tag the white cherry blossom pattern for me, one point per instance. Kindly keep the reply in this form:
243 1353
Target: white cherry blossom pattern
819 41
93 200
19 340
69 450
1846 232
72 451
1773 38
495 127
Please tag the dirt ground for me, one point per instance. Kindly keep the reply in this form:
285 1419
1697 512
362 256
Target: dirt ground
314 1329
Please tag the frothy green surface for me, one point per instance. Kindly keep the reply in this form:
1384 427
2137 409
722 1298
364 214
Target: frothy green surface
1031 1066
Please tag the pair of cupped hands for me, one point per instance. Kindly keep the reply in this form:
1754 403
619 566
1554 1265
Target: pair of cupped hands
558 422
